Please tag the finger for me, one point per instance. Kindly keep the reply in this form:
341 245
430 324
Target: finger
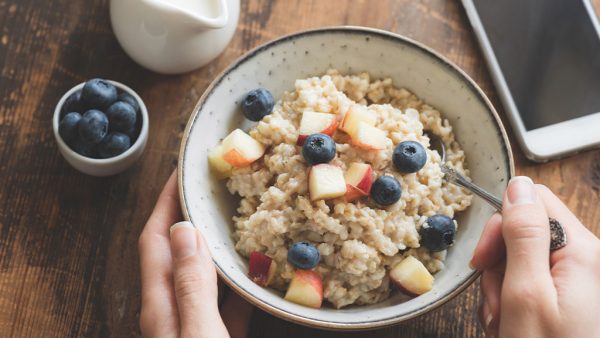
578 236
167 210
491 288
490 249
558 210
195 283
236 313
154 244
158 299
526 233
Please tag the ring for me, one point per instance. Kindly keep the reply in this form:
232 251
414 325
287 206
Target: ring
558 236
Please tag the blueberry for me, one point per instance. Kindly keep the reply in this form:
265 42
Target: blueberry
409 157
257 104
437 233
128 98
98 94
386 190
113 144
93 126
132 133
68 127
318 148
303 255
72 104
82 148
122 117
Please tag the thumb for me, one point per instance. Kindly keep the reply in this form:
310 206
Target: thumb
195 284
526 232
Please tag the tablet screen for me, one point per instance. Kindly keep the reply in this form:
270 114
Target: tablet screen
549 54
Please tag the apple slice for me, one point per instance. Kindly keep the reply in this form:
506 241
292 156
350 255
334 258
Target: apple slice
240 149
305 289
313 123
411 276
359 178
352 193
219 166
368 137
326 181
354 116
262 268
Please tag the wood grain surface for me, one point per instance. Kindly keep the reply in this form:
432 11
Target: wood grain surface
68 242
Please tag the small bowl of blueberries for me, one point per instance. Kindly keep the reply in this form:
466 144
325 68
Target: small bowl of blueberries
101 127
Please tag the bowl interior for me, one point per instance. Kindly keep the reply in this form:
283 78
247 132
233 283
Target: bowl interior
276 66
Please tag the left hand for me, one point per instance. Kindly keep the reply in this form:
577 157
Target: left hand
179 280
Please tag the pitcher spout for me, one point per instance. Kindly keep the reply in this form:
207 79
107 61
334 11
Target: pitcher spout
201 14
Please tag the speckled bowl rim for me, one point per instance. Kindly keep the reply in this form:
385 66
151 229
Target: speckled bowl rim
323 324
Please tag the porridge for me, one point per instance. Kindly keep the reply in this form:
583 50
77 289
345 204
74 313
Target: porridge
363 213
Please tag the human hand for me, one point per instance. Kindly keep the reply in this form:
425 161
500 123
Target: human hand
179 280
529 291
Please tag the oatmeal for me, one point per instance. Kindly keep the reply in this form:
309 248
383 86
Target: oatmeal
358 242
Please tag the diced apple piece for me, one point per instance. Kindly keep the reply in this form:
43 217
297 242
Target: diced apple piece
262 268
219 166
359 178
313 123
411 276
368 137
240 149
354 116
305 289
352 193
326 181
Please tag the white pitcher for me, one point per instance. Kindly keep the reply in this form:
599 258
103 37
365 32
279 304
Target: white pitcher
174 36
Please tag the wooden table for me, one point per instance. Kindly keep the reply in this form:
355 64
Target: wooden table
68 250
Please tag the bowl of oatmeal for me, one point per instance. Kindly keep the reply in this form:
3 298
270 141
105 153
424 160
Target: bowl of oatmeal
324 209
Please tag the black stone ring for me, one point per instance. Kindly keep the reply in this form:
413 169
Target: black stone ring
558 236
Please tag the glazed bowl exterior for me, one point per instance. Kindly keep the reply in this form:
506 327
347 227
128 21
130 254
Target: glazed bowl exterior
275 66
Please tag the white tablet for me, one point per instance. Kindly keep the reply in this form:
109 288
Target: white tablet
544 56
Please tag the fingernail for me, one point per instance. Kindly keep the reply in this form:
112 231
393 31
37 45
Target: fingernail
471 266
521 190
183 239
488 320
487 315
182 224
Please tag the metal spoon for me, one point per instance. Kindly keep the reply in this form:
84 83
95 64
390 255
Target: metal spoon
558 237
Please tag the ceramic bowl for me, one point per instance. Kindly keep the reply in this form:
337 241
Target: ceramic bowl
275 66
108 166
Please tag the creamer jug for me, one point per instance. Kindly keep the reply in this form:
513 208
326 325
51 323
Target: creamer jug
174 36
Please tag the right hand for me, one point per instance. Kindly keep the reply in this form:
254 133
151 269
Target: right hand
529 291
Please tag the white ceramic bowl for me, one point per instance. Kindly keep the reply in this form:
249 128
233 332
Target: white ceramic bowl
108 166
275 65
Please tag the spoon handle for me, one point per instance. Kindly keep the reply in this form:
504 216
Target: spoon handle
454 177
558 237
